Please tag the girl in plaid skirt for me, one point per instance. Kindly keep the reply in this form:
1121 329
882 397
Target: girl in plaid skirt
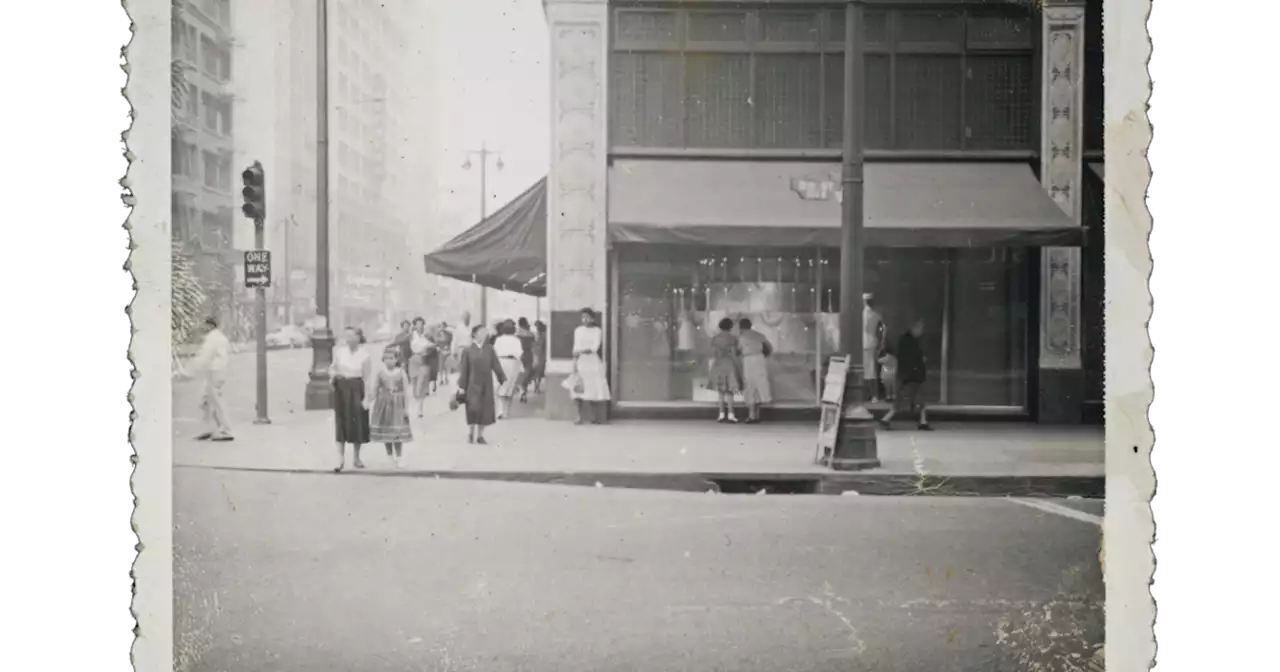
388 407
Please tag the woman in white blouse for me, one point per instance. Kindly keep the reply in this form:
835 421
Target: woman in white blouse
509 350
420 346
592 391
350 371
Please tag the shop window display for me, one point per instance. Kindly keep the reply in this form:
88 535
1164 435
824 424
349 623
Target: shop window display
973 301
671 299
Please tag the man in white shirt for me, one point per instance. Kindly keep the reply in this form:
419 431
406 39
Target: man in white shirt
211 366
872 333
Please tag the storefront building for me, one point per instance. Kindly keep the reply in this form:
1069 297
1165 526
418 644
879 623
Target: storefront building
695 174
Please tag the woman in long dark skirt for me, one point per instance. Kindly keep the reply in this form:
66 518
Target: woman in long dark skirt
350 371
527 341
477 368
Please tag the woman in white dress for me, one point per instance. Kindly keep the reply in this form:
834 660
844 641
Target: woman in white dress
592 392
509 350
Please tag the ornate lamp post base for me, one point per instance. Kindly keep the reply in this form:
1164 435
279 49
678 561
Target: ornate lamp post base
856 447
319 394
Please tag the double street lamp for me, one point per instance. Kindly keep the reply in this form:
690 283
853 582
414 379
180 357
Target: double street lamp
483 155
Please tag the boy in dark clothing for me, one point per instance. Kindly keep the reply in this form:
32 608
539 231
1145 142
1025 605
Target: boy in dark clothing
912 367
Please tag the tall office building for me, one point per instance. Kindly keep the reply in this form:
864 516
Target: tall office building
382 141
202 144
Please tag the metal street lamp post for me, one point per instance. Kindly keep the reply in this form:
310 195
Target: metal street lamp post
856 441
319 394
483 154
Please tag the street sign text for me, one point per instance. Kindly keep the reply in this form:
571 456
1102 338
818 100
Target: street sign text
257 268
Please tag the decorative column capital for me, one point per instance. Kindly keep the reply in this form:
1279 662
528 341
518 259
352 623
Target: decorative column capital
1053 5
550 7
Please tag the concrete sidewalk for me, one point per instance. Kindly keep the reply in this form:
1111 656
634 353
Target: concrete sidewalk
530 448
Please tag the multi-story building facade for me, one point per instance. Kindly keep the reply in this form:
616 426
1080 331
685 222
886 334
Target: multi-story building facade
203 172
382 140
695 174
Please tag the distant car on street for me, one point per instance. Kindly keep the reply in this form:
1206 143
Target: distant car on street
288 337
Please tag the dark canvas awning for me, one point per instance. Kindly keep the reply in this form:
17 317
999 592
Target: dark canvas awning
797 204
508 250
1099 169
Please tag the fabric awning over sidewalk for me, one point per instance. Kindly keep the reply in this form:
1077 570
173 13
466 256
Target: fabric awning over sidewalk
758 203
507 251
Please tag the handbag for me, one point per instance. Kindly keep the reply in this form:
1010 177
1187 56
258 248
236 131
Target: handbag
574 384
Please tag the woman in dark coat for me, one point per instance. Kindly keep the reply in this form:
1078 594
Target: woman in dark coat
912 366
477 368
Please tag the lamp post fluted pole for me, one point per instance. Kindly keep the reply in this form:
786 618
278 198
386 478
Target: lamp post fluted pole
856 440
319 395
483 155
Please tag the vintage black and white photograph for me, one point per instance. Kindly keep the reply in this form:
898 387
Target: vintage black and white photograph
646 335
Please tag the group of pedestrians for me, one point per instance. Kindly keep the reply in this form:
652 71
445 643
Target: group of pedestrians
739 365
429 354
893 372
375 397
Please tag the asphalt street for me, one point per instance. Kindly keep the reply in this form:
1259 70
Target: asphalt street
357 572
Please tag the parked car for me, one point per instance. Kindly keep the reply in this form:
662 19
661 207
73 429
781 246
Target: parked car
288 337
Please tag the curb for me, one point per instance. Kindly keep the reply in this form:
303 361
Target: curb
887 485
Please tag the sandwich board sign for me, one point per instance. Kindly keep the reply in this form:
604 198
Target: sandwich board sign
831 403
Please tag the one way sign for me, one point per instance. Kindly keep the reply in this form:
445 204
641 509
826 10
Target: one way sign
257 268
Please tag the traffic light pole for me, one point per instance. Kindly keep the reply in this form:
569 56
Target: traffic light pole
261 331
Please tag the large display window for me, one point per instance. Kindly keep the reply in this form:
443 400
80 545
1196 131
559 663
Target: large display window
669 299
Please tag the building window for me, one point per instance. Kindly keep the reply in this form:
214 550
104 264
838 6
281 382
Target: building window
193 101
224 63
210 169
184 158
208 56
935 79
210 112
224 172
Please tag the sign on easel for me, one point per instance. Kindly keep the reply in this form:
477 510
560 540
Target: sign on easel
830 405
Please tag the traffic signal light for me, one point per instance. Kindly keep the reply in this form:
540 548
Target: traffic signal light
255 193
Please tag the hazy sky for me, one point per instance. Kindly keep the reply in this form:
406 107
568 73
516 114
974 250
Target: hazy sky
495 90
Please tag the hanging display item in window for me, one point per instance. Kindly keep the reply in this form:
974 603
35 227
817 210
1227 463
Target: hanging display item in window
686 332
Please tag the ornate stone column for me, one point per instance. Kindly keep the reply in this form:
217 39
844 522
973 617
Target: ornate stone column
576 239
1061 388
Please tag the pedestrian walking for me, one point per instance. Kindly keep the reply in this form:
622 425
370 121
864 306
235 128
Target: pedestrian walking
527 343
872 342
509 350
350 371
912 367
210 365
403 339
431 359
461 341
419 345
539 354
387 402
444 346
591 388
725 371
756 350
477 367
